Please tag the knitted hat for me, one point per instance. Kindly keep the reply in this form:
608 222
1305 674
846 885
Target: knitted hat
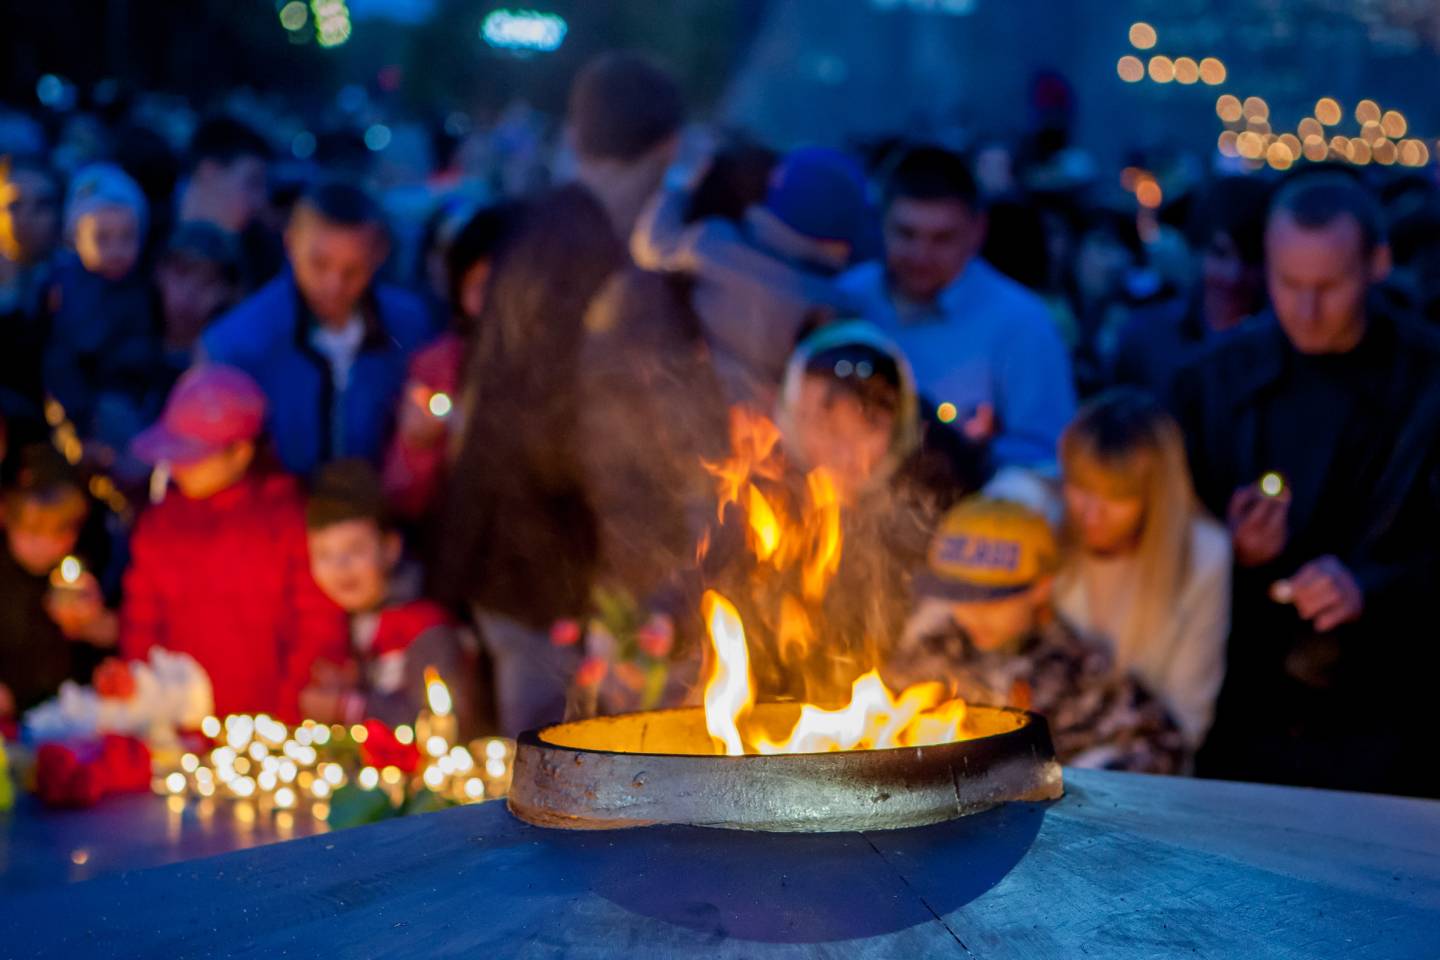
820 194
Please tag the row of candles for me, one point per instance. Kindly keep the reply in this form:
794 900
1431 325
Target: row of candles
257 758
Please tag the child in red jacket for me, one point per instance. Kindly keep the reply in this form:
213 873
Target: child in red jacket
355 555
219 568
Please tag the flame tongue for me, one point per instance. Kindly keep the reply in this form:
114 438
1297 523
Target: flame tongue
807 546
729 694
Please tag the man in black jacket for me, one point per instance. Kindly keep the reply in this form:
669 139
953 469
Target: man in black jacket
1312 433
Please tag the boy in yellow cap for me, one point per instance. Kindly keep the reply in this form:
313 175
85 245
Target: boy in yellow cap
985 624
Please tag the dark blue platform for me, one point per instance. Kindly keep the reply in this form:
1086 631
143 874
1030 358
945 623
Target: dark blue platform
1124 866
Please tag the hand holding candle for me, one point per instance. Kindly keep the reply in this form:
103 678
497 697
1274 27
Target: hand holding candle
77 606
424 415
1257 518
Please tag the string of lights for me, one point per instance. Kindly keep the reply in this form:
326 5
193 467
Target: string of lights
1381 136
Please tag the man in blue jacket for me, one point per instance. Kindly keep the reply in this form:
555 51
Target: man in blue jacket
328 345
983 348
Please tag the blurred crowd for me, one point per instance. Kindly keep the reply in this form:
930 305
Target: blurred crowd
324 412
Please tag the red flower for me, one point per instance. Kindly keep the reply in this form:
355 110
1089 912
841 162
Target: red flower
656 637
113 679
124 764
62 780
592 671
565 633
381 749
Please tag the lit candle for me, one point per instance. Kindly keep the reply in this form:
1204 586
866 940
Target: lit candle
439 719
67 575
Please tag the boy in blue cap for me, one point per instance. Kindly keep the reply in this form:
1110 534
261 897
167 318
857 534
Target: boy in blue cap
985 623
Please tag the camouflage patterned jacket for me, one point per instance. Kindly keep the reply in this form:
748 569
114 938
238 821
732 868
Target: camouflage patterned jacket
1098 718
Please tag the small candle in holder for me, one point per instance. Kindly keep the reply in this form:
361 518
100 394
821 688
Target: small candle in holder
67 575
439 719
1272 484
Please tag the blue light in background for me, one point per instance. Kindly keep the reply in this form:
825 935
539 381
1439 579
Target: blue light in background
524 30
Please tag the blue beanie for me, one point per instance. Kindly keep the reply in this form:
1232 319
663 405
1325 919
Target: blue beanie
820 193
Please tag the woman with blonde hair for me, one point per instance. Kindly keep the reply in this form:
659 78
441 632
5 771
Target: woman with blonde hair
1146 572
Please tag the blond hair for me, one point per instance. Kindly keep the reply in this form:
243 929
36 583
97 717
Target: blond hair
1135 449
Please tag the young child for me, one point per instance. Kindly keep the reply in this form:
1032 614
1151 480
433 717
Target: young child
986 624
103 352
51 611
355 556
219 569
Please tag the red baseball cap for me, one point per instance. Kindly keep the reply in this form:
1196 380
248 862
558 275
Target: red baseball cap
209 408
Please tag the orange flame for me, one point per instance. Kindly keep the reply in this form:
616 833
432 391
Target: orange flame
822 555
764 525
753 442
874 717
729 693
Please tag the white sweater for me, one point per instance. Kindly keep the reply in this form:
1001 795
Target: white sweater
1185 664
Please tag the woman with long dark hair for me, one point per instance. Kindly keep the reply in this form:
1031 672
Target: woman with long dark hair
518 542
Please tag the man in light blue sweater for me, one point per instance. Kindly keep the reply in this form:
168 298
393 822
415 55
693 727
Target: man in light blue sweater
983 348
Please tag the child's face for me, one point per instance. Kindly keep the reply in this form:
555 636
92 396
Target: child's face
1101 507
216 473
836 432
351 562
108 241
191 294
1001 624
41 535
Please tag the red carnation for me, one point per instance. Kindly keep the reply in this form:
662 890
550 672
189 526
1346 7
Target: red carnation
125 764
592 671
382 749
62 780
656 637
565 633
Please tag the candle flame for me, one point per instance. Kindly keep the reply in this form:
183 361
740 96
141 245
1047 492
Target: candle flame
71 569
436 693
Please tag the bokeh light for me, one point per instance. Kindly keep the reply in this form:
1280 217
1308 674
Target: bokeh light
1279 156
1187 71
1228 108
1327 111
294 15
1142 36
1212 71
1130 69
1394 124
1227 145
1149 194
1162 69
1367 111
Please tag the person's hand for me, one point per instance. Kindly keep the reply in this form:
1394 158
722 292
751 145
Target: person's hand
1325 593
7 703
1257 525
79 611
417 424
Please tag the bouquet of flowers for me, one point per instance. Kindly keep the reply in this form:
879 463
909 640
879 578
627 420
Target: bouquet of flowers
148 699
629 658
